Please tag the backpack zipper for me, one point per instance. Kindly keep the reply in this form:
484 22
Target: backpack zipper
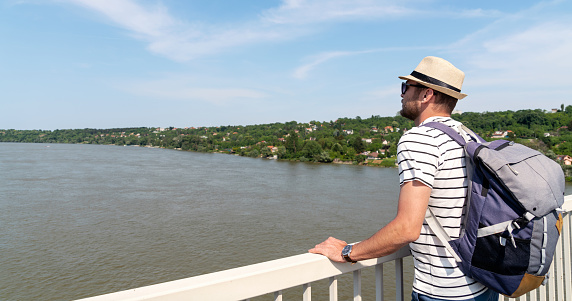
512 169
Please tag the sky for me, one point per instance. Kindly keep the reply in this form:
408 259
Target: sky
74 64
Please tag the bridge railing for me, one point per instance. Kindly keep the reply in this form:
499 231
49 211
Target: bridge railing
273 277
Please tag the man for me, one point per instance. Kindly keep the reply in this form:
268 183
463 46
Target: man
432 173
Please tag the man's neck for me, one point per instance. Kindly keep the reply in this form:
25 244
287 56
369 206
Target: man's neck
422 118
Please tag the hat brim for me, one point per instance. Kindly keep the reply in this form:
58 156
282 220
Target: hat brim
443 90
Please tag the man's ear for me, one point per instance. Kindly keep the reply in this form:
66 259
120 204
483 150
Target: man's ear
428 95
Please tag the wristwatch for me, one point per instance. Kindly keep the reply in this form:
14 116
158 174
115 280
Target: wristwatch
346 253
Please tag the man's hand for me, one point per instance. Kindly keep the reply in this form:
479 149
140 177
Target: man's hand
331 248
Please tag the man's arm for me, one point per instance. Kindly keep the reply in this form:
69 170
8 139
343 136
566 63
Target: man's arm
403 229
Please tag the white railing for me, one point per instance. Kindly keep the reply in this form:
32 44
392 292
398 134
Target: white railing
559 286
273 277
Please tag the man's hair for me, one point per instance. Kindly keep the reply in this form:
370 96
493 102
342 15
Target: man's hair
445 101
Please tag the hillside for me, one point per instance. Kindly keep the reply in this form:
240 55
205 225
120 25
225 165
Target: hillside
345 139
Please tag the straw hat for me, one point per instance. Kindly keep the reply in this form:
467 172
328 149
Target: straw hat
438 74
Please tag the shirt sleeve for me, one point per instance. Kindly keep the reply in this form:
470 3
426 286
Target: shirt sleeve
417 158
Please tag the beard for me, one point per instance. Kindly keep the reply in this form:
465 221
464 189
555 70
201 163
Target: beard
410 109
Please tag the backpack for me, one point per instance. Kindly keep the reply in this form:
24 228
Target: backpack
512 218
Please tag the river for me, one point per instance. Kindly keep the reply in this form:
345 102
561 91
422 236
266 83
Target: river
84 220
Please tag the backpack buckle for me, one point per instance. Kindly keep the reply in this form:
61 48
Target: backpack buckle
520 222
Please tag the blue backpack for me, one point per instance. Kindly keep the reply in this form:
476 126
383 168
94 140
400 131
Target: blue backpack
512 218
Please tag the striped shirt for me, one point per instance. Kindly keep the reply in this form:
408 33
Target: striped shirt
434 159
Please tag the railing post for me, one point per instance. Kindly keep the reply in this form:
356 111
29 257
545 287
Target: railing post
307 292
399 279
543 292
532 295
333 288
357 285
551 291
559 271
566 241
379 282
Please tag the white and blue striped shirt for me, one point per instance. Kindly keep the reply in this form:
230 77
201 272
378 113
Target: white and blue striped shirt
431 157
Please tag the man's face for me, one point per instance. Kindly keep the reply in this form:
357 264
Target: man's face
410 103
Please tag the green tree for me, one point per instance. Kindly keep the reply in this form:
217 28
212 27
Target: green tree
292 143
349 153
311 149
337 148
392 151
281 152
323 157
358 144
253 153
265 151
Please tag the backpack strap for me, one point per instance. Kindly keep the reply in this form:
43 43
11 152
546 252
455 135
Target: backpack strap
453 134
440 232
430 217
447 130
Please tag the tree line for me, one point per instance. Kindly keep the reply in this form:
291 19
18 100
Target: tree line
345 139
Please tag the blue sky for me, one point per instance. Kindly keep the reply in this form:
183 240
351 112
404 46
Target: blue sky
129 63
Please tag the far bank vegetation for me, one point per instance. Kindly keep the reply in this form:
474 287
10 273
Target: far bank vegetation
371 141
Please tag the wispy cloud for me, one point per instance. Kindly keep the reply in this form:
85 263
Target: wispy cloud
476 13
184 88
302 71
537 54
184 40
513 46
520 60
546 45
214 96
173 38
319 11
316 11
152 24
153 21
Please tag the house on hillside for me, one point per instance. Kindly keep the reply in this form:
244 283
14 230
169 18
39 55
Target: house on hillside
499 134
564 159
372 156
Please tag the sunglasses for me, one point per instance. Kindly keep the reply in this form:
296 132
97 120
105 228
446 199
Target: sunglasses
404 86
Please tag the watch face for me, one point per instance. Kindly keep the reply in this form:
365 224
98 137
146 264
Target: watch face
346 250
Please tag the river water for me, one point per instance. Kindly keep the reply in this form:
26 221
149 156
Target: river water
84 220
